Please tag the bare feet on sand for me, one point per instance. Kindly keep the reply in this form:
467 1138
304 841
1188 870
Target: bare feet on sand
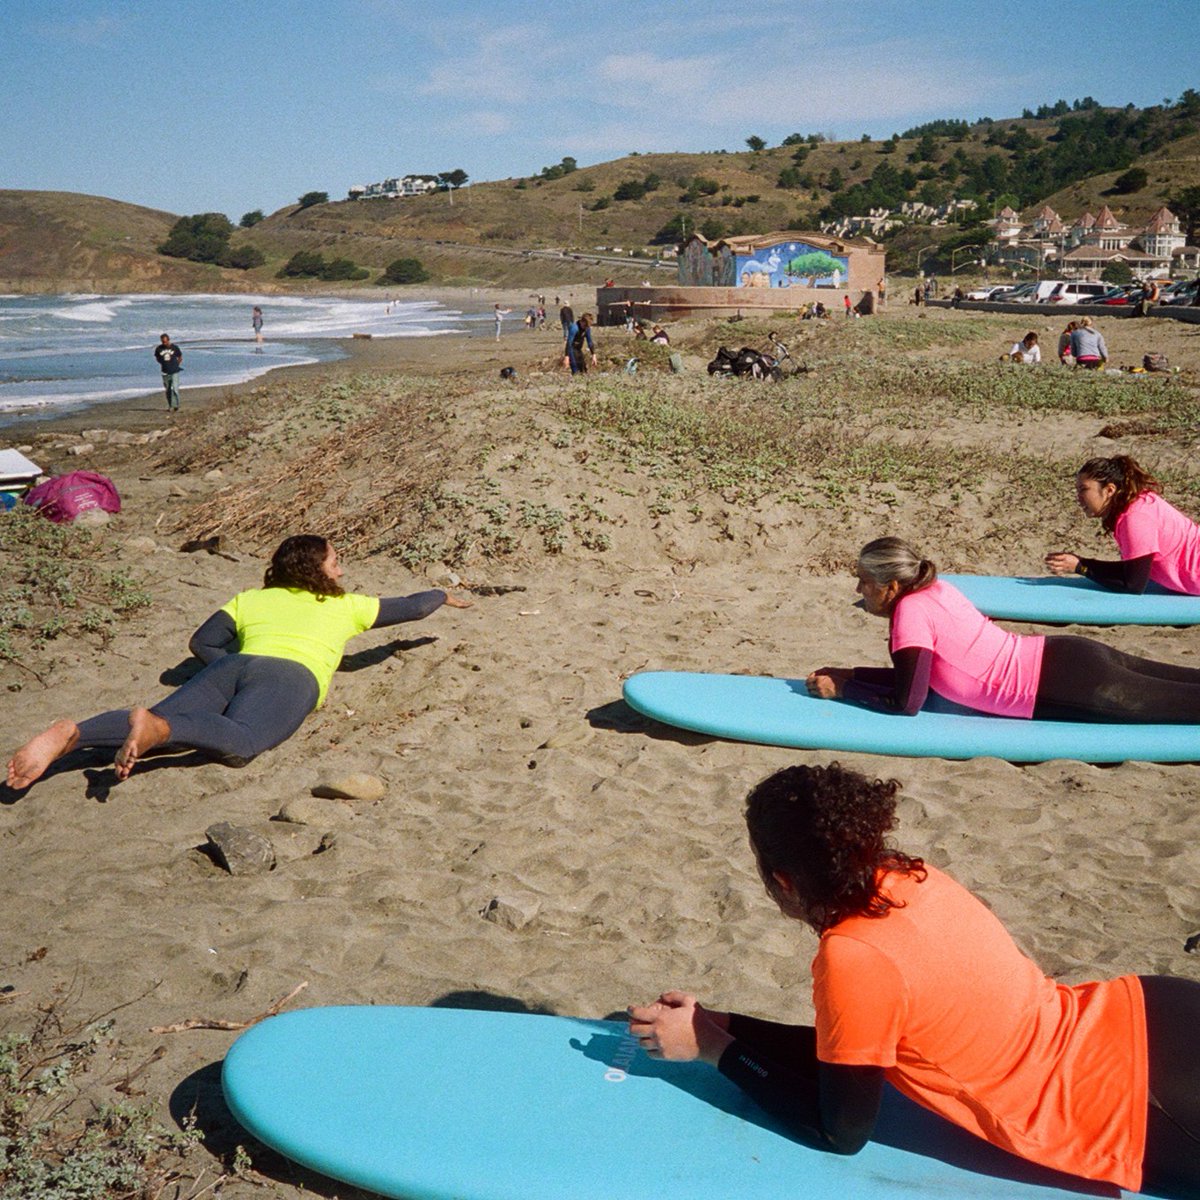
145 732
29 763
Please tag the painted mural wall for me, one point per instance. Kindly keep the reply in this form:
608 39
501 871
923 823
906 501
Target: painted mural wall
791 264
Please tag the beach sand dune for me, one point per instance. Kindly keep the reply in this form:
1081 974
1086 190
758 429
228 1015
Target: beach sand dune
538 844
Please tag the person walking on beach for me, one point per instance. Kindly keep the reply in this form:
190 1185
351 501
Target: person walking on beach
170 360
269 656
917 983
500 314
257 323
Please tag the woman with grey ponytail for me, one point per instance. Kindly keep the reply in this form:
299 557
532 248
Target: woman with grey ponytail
940 641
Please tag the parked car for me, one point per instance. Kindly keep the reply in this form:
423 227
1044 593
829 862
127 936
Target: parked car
1116 295
1185 292
1020 292
1076 291
985 293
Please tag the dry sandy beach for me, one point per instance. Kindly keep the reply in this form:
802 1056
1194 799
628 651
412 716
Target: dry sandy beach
510 769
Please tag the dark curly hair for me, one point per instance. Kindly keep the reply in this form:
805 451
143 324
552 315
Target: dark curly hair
1126 475
823 828
298 563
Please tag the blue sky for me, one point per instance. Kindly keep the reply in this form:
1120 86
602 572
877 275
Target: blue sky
220 106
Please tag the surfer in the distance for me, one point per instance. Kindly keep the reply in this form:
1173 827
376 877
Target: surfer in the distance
1157 543
939 641
916 982
269 656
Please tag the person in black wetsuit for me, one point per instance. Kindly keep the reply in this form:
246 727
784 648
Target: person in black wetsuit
1158 543
917 983
940 641
269 656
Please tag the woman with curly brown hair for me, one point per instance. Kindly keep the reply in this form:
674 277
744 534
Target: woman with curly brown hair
1158 543
939 641
916 982
269 656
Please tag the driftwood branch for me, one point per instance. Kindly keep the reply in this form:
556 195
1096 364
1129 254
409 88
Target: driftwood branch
231 1026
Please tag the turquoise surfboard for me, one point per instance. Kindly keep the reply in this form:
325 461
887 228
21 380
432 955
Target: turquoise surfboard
1073 600
444 1104
780 712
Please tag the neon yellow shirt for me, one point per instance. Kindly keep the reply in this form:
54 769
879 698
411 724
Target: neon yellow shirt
294 624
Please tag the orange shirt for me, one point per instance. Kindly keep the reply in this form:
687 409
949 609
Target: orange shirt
938 994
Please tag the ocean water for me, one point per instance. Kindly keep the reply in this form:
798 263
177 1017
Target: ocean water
72 351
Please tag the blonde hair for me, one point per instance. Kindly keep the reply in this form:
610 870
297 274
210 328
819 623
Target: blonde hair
892 560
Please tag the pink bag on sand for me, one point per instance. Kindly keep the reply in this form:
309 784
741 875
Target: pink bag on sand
64 497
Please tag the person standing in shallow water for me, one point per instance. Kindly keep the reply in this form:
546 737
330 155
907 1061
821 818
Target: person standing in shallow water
170 362
256 322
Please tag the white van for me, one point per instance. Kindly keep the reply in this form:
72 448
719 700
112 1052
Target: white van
1044 290
1077 291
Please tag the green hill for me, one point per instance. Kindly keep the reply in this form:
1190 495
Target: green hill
566 224
50 241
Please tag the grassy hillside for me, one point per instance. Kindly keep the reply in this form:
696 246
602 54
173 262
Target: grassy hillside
547 229
1169 170
49 240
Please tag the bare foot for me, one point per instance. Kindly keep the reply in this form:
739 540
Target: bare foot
145 732
29 763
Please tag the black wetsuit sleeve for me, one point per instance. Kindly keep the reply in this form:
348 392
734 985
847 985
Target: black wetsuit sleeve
395 610
902 688
214 639
823 1105
1121 575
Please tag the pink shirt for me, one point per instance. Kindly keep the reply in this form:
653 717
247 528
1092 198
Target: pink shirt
1152 526
975 662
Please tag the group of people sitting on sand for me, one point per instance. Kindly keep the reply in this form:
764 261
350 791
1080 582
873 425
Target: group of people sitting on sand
1081 344
915 981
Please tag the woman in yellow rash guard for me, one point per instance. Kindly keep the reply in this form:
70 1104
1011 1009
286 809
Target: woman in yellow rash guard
269 655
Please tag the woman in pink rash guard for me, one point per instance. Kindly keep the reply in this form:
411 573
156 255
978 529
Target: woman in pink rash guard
940 641
1158 543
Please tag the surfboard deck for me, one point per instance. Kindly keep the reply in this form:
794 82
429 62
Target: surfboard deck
446 1104
780 712
1073 600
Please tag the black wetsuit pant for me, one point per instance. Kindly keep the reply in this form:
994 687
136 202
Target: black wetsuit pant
1172 1163
235 708
1171 1167
1083 679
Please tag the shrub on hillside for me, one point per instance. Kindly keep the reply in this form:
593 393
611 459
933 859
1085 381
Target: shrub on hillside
251 218
203 237
303 263
311 198
243 257
340 269
404 270
1132 181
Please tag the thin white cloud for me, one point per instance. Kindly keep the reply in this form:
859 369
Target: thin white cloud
85 31
487 122
723 91
498 65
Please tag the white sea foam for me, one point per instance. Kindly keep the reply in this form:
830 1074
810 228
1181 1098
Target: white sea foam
86 348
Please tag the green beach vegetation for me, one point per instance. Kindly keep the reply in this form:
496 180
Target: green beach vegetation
59 584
